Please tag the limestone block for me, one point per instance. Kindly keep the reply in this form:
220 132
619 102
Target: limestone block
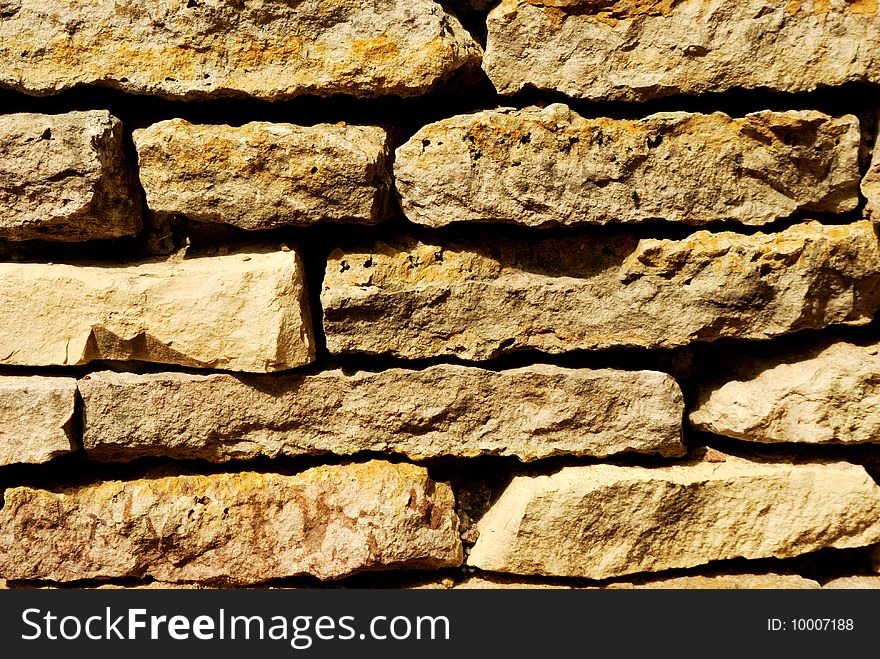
65 177
479 300
531 413
264 175
871 184
546 167
196 49
633 51
854 583
246 311
603 521
827 396
35 416
237 528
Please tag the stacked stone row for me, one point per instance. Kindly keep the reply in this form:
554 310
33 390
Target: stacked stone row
774 221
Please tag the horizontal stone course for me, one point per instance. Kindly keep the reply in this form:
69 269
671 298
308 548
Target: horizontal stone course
264 175
826 395
533 412
603 521
735 581
246 311
240 528
634 51
721 582
66 177
268 49
546 167
480 300
35 418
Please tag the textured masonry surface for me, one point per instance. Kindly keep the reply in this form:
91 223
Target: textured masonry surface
576 294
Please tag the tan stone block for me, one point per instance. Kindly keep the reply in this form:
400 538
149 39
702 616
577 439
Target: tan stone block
240 528
268 49
480 300
35 416
633 51
546 167
264 175
242 312
65 177
825 396
445 410
603 521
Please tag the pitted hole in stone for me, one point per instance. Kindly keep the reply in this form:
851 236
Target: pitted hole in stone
567 146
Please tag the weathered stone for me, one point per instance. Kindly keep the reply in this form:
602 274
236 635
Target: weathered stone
495 583
476 301
65 177
696 582
544 167
146 585
242 312
603 521
239 528
871 183
830 395
269 49
445 410
35 414
626 50
263 175
723 582
854 583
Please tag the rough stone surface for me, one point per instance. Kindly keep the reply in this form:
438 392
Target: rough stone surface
695 582
724 582
493 583
242 528
243 312
603 521
533 412
476 301
854 583
871 183
830 395
35 414
263 175
269 49
146 585
544 167
636 50
65 177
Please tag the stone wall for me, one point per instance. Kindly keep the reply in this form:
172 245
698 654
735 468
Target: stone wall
566 294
